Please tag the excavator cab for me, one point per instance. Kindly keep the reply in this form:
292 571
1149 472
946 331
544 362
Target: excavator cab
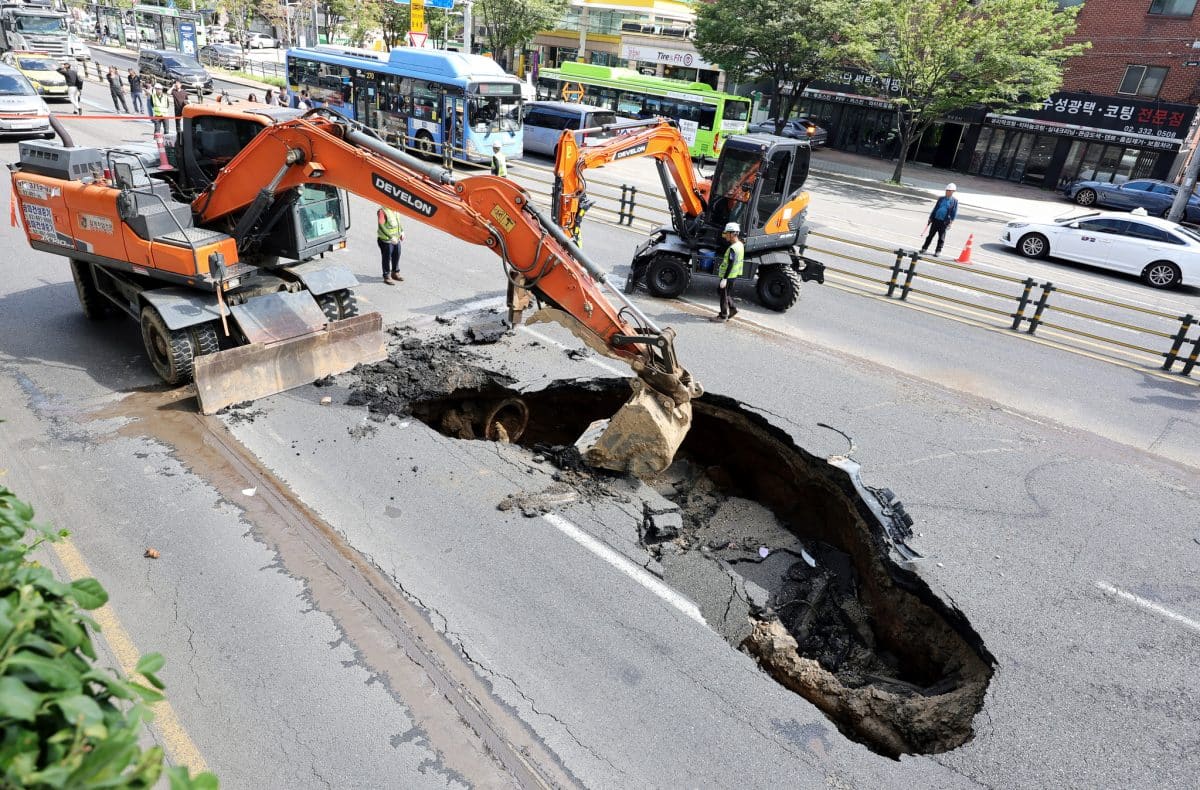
759 184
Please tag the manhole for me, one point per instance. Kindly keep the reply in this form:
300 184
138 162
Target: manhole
832 611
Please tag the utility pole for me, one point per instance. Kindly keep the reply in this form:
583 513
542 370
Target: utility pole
1179 205
467 23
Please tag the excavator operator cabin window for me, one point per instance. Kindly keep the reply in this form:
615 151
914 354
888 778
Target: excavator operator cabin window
775 185
216 141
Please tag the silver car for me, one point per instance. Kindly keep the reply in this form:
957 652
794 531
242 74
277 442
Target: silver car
22 111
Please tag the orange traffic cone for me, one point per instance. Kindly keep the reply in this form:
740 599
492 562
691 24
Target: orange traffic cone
965 255
163 162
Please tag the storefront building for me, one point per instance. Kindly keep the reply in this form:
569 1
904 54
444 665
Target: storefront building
1072 135
651 36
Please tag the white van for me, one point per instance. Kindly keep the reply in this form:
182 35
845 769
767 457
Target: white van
546 120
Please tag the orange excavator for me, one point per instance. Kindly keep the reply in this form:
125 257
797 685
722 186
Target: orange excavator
758 183
88 205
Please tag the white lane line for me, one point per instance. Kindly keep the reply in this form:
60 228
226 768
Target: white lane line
1150 605
626 566
595 361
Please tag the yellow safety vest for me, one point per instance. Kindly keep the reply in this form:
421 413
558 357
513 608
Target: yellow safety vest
390 228
499 165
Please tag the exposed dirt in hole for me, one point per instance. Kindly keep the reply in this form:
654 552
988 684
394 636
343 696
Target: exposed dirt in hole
827 606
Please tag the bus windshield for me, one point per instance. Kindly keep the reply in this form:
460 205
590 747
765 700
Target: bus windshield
495 114
736 110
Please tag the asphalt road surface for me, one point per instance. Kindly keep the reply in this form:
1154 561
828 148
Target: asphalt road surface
341 603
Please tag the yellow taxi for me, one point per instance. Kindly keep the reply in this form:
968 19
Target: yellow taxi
41 70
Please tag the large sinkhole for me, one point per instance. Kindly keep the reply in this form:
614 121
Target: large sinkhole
832 614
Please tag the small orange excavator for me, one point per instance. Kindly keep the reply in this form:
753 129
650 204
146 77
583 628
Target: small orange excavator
203 274
758 183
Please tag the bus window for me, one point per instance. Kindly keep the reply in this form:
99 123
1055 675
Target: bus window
706 114
394 94
425 99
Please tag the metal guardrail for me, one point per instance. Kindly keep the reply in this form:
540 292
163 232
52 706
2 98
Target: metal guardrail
1021 305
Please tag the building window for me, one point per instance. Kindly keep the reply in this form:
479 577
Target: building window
1143 80
1172 7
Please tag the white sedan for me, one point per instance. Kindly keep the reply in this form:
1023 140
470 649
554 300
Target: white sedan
260 41
1164 254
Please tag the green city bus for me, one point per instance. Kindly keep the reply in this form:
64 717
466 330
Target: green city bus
702 112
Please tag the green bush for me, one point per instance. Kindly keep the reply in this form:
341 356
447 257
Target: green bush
65 723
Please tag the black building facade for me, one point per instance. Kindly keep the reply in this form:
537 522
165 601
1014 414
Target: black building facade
1072 135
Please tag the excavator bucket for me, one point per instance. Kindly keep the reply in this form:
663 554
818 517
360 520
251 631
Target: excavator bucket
265 368
641 438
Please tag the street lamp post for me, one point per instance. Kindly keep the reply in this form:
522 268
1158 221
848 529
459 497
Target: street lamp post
468 7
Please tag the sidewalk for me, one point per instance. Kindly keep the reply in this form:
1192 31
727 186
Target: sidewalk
992 194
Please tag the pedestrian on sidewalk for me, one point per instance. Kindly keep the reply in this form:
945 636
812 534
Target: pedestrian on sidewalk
389 235
160 109
116 88
180 97
269 97
943 214
729 270
136 91
304 104
74 85
252 98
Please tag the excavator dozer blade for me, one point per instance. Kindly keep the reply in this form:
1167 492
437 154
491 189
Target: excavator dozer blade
641 438
260 369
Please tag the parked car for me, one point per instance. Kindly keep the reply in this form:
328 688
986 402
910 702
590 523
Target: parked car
22 110
1154 196
41 70
260 41
798 128
1164 254
217 35
546 120
227 56
165 67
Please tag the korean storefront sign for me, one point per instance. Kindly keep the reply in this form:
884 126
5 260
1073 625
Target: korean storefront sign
1124 116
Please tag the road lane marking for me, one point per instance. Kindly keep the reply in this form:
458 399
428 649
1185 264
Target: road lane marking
597 362
1149 605
179 745
626 566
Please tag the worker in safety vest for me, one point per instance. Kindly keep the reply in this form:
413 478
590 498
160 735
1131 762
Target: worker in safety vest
729 270
160 108
389 235
499 163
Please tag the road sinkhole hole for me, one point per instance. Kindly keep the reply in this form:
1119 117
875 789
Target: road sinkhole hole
789 555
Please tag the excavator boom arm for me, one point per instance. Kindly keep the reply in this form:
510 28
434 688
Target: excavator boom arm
320 148
659 139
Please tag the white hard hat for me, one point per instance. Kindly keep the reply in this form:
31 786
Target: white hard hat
732 227
496 145
951 187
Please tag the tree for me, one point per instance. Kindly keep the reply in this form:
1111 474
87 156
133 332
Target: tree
512 24
945 55
780 41
393 21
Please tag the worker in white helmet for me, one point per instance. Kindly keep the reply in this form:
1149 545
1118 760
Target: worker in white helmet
944 212
729 270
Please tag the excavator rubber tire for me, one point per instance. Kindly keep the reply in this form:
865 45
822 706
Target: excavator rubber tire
667 277
347 303
94 307
778 288
329 305
170 352
205 339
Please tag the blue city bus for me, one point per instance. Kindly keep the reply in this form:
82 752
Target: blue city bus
445 104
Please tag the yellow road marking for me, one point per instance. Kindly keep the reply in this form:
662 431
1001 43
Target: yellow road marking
179 746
